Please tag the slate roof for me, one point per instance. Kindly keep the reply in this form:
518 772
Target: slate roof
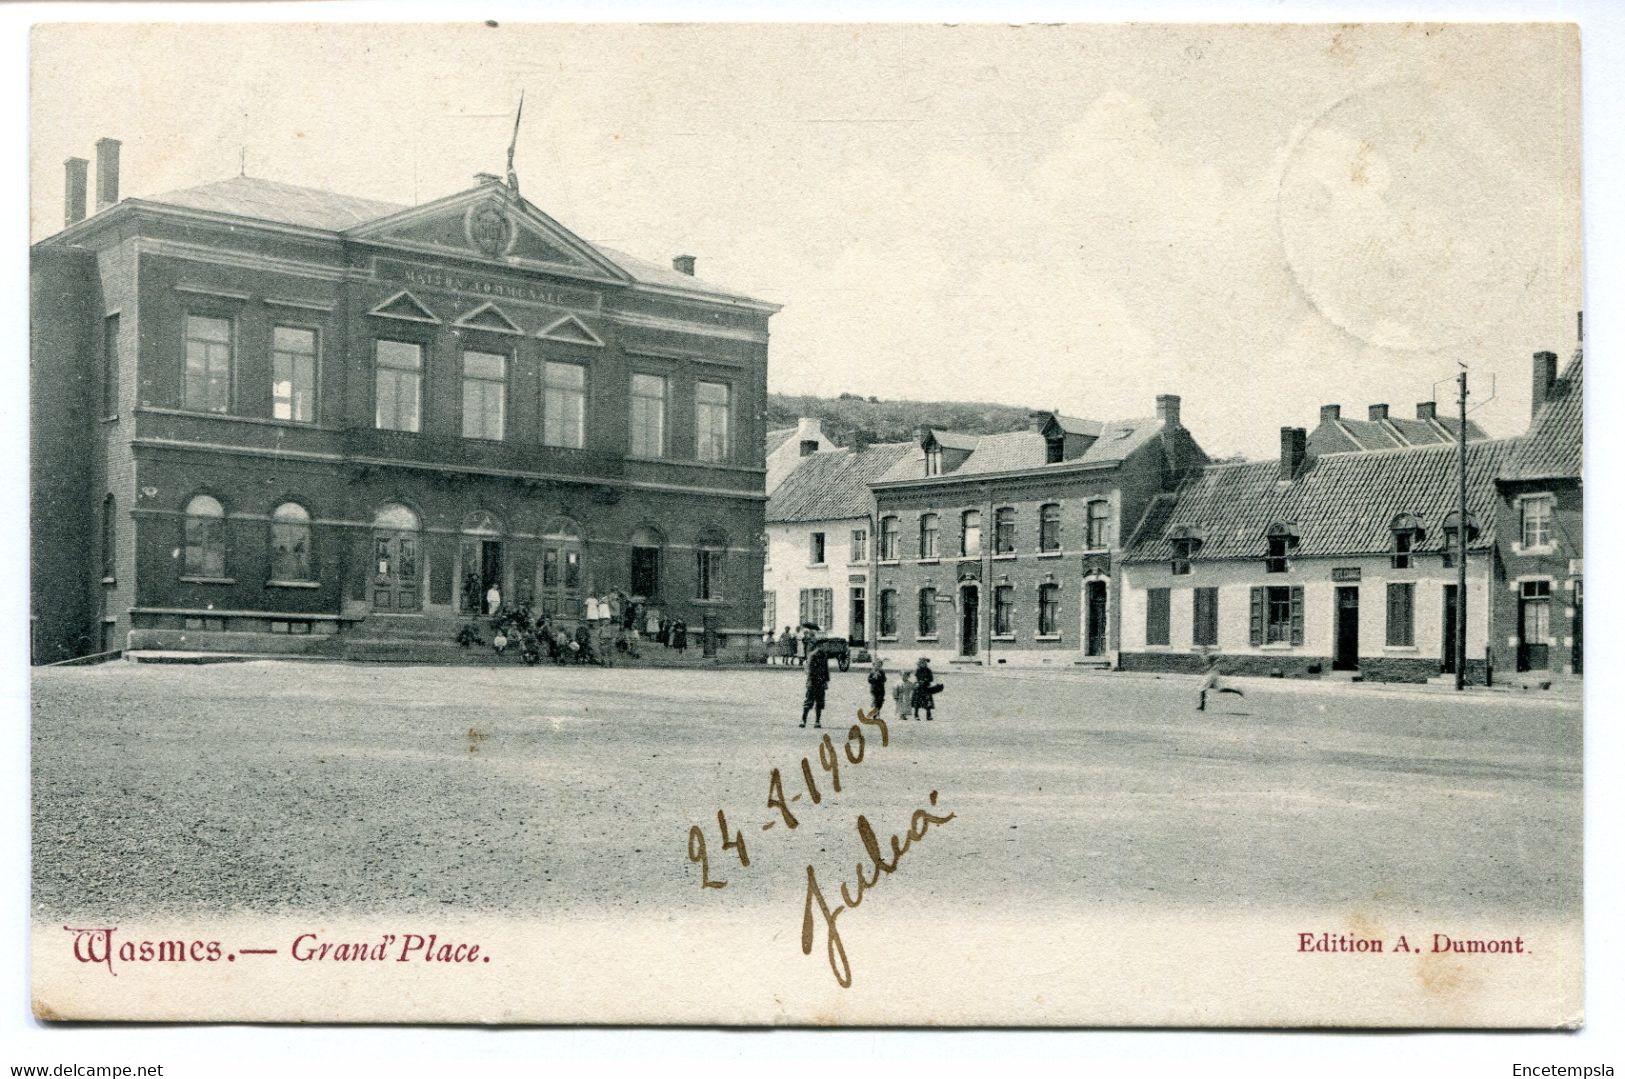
1027 449
955 440
268 200
1341 504
1553 448
833 485
1347 436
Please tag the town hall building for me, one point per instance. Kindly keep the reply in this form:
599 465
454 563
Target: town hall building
266 414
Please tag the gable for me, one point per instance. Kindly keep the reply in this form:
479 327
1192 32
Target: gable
404 305
570 330
490 224
488 316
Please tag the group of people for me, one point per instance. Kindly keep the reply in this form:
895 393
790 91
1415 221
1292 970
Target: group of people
791 647
610 622
916 692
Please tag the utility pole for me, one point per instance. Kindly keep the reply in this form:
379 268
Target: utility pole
1461 536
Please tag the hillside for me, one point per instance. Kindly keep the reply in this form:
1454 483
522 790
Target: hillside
848 416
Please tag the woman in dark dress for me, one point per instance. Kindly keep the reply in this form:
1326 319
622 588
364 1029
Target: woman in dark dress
926 688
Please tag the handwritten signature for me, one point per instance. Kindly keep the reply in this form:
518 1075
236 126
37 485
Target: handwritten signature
919 824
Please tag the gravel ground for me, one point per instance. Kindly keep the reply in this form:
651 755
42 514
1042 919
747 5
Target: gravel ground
282 787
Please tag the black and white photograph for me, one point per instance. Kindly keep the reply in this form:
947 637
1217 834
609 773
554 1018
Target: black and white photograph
809 525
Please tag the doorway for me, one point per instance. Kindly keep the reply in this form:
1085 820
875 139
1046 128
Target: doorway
1346 646
1447 661
1094 618
969 617
855 631
1534 625
396 583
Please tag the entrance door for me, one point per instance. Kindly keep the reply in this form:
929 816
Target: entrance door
491 568
969 617
646 572
1447 664
395 582
856 632
1346 649
1094 607
1534 625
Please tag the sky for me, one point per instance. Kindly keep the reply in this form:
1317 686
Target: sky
1259 219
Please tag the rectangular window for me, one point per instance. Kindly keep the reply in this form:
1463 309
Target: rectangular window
1099 525
1180 566
1205 617
888 539
928 535
1156 616
815 549
399 384
1537 611
1537 521
888 613
708 574
648 416
1004 531
1275 560
564 405
110 365
1277 615
293 374
1401 615
208 364
1403 541
818 607
485 394
928 612
860 546
770 611
1049 528
711 414
933 461
1049 610
1004 610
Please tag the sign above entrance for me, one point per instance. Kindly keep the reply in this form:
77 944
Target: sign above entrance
1345 573
510 288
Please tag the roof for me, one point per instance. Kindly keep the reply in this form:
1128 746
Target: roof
309 207
1020 450
1394 432
1072 425
956 440
778 437
833 485
1554 449
1341 504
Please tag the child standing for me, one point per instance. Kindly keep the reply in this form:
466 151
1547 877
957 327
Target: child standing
877 684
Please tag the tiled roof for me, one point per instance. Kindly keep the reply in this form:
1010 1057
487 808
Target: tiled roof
833 485
1553 448
268 200
1341 504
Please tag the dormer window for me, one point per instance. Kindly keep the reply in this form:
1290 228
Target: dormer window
1054 448
1279 541
1184 543
1452 535
1408 535
933 460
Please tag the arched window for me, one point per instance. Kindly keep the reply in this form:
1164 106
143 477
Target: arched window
1049 527
290 543
205 540
888 612
928 612
928 535
970 533
109 536
395 517
1004 531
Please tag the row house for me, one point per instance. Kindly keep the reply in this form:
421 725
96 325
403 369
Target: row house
786 446
1005 548
263 411
1313 564
1540 525
820 532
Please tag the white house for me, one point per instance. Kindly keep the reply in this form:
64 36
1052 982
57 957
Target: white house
820 525
786 446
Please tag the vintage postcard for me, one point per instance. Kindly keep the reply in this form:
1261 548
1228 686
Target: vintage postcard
859 525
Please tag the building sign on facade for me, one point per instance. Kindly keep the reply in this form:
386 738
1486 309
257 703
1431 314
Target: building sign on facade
436 277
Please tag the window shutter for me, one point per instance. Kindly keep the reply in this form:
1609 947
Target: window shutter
1297 614
1394 595
803 607
1256 634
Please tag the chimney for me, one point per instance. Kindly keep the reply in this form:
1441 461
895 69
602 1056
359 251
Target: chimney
1168 409
1427 410
683 264
487 178
1294 441
77 189
919 436
1330 413
1036 421
106 173
1377 412
1545 375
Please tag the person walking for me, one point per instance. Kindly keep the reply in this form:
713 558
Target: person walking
926 688
877 684
679 635
1211 684
817 687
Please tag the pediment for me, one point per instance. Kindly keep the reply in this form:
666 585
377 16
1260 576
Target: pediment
488 316
404 305
572 331
490 224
